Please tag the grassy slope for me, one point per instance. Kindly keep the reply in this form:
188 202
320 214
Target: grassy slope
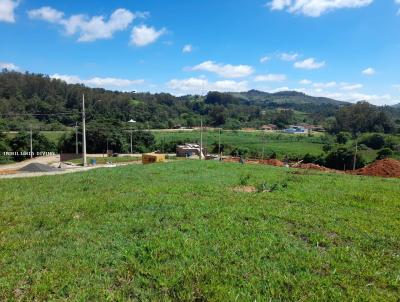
178 232
53 136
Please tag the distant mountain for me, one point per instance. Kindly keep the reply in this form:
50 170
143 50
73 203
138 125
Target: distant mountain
397 106
287 97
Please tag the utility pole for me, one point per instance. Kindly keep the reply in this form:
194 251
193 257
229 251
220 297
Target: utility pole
219 145
31 142
132 122
355 155
263 144
131 141
76 138
201 138
84 131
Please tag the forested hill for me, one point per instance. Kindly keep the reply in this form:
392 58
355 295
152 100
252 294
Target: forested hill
286 97
50 104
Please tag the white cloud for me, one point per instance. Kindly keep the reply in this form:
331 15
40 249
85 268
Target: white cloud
46 13
187 48
288 57
325 85
270 78
107 82
8 66
321 86
309 64
143 35
375 99
225 71
346 86
348 95
264 59
202 86
315 8
88 29
305 82
369 71
7 8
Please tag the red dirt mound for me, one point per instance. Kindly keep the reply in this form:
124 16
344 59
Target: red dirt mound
312 167
382 168
272 162
231 160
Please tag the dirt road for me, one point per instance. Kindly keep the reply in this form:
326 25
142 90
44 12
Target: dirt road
41 160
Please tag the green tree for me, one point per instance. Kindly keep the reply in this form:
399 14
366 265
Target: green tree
384 153
342 138
21 144
343 158
375 141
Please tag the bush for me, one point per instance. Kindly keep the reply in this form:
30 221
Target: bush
242 152
98 135
342 138
312 159
327 147
4 147
21 144
343 159
384 153
374 141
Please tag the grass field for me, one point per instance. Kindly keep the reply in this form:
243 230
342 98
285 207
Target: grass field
282 144
179 232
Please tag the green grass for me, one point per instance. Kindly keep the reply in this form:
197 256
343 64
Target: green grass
178 232
282 144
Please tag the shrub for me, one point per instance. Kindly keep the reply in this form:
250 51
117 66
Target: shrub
375 141
21 143
384 153
242 152
342 159
313 159
244 180
342 138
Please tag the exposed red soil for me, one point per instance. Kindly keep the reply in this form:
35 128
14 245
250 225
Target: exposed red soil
8 172
231 160
313 167
272 162
382 168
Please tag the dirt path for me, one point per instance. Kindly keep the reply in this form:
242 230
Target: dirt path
41 160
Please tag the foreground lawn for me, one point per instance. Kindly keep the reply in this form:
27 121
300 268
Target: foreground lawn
179 232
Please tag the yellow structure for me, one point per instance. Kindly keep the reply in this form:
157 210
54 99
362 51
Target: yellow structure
151 158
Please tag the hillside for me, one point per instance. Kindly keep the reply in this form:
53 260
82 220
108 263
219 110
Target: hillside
42 102
187 231
287 97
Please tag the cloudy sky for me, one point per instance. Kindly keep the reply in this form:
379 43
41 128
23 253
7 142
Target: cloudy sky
344 49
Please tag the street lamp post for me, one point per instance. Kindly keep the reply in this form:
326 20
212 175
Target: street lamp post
76 138
31 145
84 131
132 122
201 138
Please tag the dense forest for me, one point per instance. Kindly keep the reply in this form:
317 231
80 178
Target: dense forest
38 101
34 99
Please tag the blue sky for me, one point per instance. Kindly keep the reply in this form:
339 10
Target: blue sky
345 49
